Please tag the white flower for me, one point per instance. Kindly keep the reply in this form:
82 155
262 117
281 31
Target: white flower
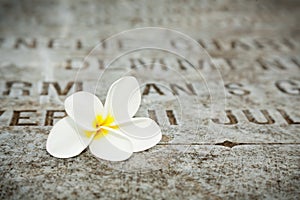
111 132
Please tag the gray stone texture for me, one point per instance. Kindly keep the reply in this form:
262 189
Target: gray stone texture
255 46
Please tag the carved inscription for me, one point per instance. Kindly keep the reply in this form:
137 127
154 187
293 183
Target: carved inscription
24 88
259 117
214 44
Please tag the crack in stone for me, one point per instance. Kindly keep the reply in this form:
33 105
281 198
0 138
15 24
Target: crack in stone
227 143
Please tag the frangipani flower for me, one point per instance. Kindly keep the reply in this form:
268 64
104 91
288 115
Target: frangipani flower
110 131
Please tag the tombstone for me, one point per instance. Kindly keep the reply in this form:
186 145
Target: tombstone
221 78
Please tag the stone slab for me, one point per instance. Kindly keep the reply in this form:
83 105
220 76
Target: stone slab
229 114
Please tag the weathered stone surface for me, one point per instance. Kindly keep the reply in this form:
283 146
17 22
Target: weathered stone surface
208 171
230 121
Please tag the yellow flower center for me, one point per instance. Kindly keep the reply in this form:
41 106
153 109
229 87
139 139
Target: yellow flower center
100 121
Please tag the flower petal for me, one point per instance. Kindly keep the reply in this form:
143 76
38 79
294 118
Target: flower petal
113 146
66 139
123 99
83 107
140 128
144 144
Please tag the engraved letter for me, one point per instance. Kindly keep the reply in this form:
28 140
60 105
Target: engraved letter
152 115
171 116
287 117
17 115
250 117
46 85
291 87
190 90
31 44
236 89
230 116
268 64
24 89
148 87
50 116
